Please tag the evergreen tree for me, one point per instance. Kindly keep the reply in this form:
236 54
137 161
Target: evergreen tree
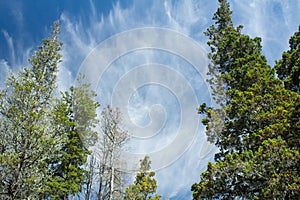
269 173
75 119
237 70
258 115
288 70
145 185
288 67
27 137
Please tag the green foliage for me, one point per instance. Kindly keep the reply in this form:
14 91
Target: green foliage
144 185
256 126
269 173
236 64
75 117
288 67
240 79
43 140
84 108
27 138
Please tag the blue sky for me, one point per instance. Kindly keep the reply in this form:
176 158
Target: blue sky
148 58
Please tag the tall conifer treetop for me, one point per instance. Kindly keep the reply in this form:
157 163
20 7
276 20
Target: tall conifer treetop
258 141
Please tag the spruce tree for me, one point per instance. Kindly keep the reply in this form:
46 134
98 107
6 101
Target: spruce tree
76 119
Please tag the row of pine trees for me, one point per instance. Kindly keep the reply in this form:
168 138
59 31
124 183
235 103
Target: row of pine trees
54 146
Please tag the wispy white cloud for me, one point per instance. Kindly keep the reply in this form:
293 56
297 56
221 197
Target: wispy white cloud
4 71
10 44
162 120
17 53
272 20
189 16
159 106
17 56
266 19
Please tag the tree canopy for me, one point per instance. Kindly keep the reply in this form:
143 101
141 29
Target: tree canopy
258 140
47 136
145 185
27 138
44 138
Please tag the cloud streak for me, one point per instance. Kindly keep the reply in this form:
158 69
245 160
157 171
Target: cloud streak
169 122
156 109
187 17
10 44
273 21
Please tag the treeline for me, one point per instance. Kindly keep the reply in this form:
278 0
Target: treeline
46 138
257 124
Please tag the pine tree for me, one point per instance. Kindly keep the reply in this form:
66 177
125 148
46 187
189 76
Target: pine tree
76 118
288 67
288 70
258 115
238 69
145 185
27 138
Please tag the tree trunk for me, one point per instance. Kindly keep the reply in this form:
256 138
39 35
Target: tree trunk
112 174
